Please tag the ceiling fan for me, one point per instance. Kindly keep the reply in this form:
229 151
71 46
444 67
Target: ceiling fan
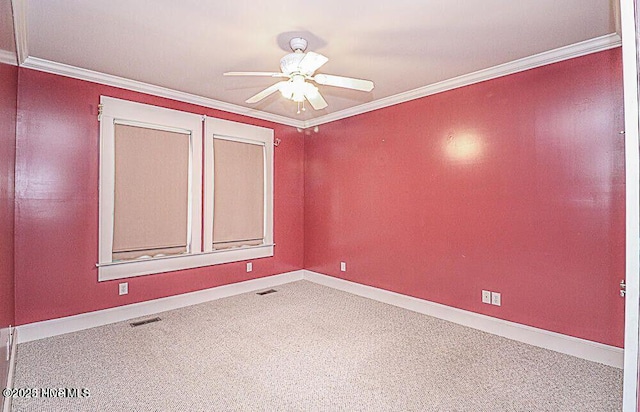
298 68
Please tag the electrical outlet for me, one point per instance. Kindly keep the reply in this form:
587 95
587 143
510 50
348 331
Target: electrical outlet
343 266
249 266
486 296
495 298
123 288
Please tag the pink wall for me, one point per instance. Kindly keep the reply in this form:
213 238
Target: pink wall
513 185
8 93
56 218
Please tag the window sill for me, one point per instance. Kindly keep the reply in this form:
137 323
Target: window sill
128 269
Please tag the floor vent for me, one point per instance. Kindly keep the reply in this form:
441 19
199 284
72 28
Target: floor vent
266 292
144 322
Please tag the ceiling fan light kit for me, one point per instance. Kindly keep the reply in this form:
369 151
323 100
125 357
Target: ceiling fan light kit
298 67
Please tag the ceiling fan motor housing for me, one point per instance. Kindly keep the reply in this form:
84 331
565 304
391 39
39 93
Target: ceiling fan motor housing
289 63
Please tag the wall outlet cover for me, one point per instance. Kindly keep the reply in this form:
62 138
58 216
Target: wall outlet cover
486 296
343 266
123 288
496 299
249 266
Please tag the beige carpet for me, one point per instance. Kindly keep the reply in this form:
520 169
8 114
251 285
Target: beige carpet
309 348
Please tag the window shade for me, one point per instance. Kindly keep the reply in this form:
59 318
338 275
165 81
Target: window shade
238 210
151 192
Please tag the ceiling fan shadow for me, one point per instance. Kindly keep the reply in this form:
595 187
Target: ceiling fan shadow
313 42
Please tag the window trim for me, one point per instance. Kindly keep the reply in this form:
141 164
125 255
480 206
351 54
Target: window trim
142 115
244 133
201 210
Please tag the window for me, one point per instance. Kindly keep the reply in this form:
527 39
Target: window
151 192
152 179
238 189
238 193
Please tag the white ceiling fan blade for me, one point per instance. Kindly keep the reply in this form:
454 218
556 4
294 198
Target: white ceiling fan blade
316 99
268 74
266 92
311 62
347 82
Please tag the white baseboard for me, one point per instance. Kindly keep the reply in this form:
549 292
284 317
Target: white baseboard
54 327
6 407
581 348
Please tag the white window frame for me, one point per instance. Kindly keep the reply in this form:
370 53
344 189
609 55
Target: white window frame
117 111
244 133
138 114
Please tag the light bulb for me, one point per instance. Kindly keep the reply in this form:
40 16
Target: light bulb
286 89
295 88
299 87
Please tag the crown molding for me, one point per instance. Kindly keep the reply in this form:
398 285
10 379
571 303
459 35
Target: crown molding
594 45
121 82
617 17
548 57
8 57
19 8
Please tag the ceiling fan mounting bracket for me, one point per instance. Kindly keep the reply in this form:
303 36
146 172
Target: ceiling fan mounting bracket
298 43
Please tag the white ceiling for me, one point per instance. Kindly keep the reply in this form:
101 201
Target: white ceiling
7 43
402 45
